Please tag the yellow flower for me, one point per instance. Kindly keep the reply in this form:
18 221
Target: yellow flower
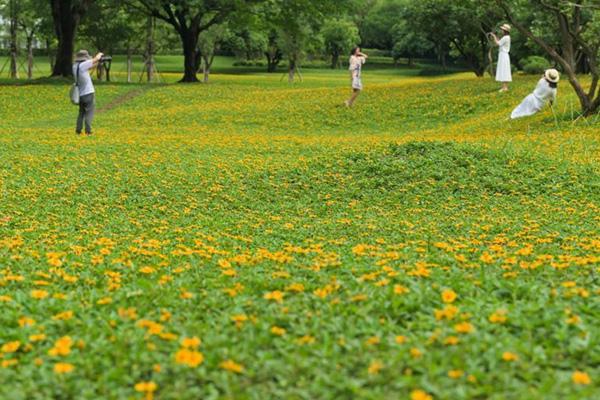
275 330
415 353
37 338
420 395
232 366
39 294
8 363
191 358
63 368
62 347
455 373
499 317
448 296
508 356
448 312
373 340
145 387
306 339
192 342
26 321
464 327
399 289
274 296
375 367
401 339
581 378
295 287
64 316
11 347
104 300
5 298
451 341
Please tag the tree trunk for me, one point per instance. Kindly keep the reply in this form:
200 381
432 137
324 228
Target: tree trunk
150 50
100 71
206 64
335 60
129 64
291 70
50 55
567 43
66 19
273 59
189 40
14 62
30 57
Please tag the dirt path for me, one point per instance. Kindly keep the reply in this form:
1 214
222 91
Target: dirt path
119 100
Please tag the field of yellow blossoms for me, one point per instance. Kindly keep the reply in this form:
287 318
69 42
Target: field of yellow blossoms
250 239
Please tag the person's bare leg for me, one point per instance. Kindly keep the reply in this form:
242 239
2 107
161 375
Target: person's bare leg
350 102
504 86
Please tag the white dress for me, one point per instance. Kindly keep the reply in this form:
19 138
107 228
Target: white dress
503 71
355 68
536 100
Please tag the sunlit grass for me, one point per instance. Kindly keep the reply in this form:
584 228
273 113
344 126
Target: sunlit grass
254 239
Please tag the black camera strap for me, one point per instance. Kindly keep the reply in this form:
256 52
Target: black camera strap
77 75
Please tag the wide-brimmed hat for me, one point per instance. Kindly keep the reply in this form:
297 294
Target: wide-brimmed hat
82 55
552 75
506 27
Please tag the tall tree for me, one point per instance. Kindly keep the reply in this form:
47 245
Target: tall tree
577 22
14 11
189 18
339 36
208 44
110 27
67 15
31 21
297 23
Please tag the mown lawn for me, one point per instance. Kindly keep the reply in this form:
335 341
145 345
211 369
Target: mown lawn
250 239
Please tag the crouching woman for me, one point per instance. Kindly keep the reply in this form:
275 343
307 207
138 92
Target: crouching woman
544 92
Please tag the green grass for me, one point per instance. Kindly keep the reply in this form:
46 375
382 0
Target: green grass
193 202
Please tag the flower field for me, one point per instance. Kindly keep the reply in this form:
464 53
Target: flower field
250 239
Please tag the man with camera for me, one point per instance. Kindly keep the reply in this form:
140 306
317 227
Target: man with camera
81 71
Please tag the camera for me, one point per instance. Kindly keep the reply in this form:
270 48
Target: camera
105 59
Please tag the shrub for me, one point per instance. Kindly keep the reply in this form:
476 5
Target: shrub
534 65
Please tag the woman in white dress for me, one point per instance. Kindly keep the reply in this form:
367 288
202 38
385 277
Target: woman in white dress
503 71
544 92
357 59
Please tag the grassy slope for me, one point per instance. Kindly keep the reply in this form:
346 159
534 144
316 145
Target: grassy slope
287 187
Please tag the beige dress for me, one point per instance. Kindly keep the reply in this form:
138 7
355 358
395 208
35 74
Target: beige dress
355 68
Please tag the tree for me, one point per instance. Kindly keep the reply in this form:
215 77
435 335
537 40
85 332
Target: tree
189 18
31 21
578 23
67 15
297 23
208 44
408 42
377 28
339 36
110 27
12 9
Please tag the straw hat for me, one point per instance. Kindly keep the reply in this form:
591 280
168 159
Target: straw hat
82 55
552 75
506 27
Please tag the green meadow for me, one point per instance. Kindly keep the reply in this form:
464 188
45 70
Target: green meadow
253 239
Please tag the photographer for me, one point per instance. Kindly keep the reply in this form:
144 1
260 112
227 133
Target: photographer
81 71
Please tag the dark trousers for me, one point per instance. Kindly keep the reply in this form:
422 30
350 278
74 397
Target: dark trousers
87 105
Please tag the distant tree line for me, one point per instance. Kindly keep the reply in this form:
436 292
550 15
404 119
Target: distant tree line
566 33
